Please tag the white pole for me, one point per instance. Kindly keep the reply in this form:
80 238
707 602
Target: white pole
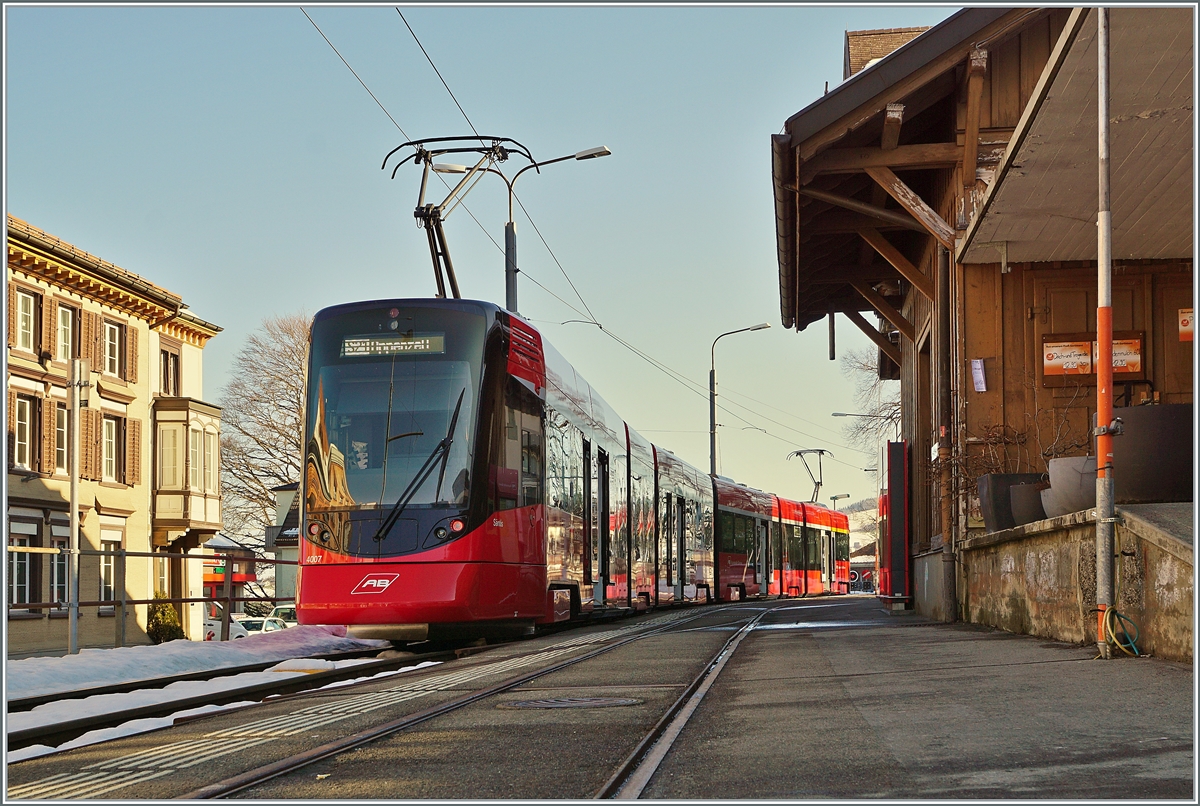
79 380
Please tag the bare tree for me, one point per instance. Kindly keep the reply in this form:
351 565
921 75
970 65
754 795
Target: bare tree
877 399
262 424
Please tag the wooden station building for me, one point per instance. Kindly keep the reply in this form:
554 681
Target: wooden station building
949 190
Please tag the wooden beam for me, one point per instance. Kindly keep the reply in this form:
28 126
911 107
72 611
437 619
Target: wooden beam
892 255
976 67
872 333
886 310
915 205
843 222
852 160
891 216
838 275
893 118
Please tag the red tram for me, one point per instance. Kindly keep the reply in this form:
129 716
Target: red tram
460 478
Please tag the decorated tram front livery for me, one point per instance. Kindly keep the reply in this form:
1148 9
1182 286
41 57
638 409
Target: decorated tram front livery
461 479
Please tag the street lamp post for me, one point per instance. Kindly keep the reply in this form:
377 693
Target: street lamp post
510 228
836 498
712 395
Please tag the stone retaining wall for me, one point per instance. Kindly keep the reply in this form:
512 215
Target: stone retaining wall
1040 579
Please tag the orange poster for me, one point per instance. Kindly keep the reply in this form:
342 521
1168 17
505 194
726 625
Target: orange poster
1127 355
1066 358
1187 324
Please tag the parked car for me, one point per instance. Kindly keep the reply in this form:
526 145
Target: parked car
285 613
257 626
212 624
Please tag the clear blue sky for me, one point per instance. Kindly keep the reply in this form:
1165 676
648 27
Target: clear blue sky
227 154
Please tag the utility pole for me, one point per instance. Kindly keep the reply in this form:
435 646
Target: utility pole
80 380
1106 427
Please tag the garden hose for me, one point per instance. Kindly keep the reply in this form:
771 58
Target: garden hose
1127 642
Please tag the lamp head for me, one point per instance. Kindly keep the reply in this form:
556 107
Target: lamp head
448 168
762 326
593 153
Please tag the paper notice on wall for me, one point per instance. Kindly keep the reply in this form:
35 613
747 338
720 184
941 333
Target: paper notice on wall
1127 355
1066 358
1186 324
977 375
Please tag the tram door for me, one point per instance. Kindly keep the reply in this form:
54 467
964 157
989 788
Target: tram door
827 560
760 571
667 546
680 538
605 521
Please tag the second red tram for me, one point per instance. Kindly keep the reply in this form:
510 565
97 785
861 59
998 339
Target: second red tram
460 478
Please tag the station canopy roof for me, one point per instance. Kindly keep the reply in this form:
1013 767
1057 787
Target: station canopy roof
1044 202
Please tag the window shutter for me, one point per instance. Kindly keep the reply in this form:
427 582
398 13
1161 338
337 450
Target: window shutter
89 444
97 445
131 354
87 337
49 421
133 451
12 423
12 319
49 326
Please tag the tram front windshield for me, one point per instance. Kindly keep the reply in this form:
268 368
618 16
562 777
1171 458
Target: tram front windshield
383 390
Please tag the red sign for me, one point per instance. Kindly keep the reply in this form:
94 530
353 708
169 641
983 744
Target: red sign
374 583
1187 324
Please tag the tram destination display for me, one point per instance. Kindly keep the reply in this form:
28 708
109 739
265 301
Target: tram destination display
394 344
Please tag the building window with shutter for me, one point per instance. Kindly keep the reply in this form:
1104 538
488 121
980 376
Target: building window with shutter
168 458
24 433
108 566
60 439
27 305
112 348
112 464
169 372
210 462
58 572
195 467
65 348
18 572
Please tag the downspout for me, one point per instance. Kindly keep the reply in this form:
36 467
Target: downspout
1105 426
945 431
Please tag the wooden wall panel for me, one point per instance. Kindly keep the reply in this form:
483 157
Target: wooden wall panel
1004 75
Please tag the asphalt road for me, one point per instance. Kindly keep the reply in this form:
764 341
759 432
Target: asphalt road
829 698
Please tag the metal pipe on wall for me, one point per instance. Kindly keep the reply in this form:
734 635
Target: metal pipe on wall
1104 373
945 432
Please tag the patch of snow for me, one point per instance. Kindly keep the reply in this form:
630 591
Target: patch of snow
108 703
100 667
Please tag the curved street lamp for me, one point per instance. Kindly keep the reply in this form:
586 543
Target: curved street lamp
712 395
510 228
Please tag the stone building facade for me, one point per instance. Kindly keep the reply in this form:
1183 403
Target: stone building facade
149 447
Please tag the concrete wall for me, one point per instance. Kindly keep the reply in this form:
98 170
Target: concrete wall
1040 579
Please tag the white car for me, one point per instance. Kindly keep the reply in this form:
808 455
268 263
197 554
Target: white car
258 626
212 624
286 614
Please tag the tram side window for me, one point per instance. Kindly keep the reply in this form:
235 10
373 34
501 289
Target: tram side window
776 546
727 519
814 548
796 546
739 535
531 467
517 464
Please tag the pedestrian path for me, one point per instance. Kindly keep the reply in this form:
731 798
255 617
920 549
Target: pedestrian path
860 704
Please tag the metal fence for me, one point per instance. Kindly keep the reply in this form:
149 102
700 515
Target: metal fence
122 603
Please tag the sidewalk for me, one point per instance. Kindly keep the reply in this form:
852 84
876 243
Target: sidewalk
860 704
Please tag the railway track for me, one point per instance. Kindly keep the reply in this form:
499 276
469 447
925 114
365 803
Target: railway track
162 766
57 733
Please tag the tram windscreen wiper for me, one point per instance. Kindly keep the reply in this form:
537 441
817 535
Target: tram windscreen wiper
440 451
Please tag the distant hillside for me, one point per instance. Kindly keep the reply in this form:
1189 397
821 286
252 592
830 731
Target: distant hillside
861 506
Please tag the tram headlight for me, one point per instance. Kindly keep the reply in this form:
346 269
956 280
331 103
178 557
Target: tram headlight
457 526
314 528
440 532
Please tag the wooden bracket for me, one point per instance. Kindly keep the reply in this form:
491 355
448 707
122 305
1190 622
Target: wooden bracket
872 333
893 119
892 255
914 204
886 310
976 68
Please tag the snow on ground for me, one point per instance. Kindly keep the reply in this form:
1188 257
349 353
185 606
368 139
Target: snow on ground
101 667
65 710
